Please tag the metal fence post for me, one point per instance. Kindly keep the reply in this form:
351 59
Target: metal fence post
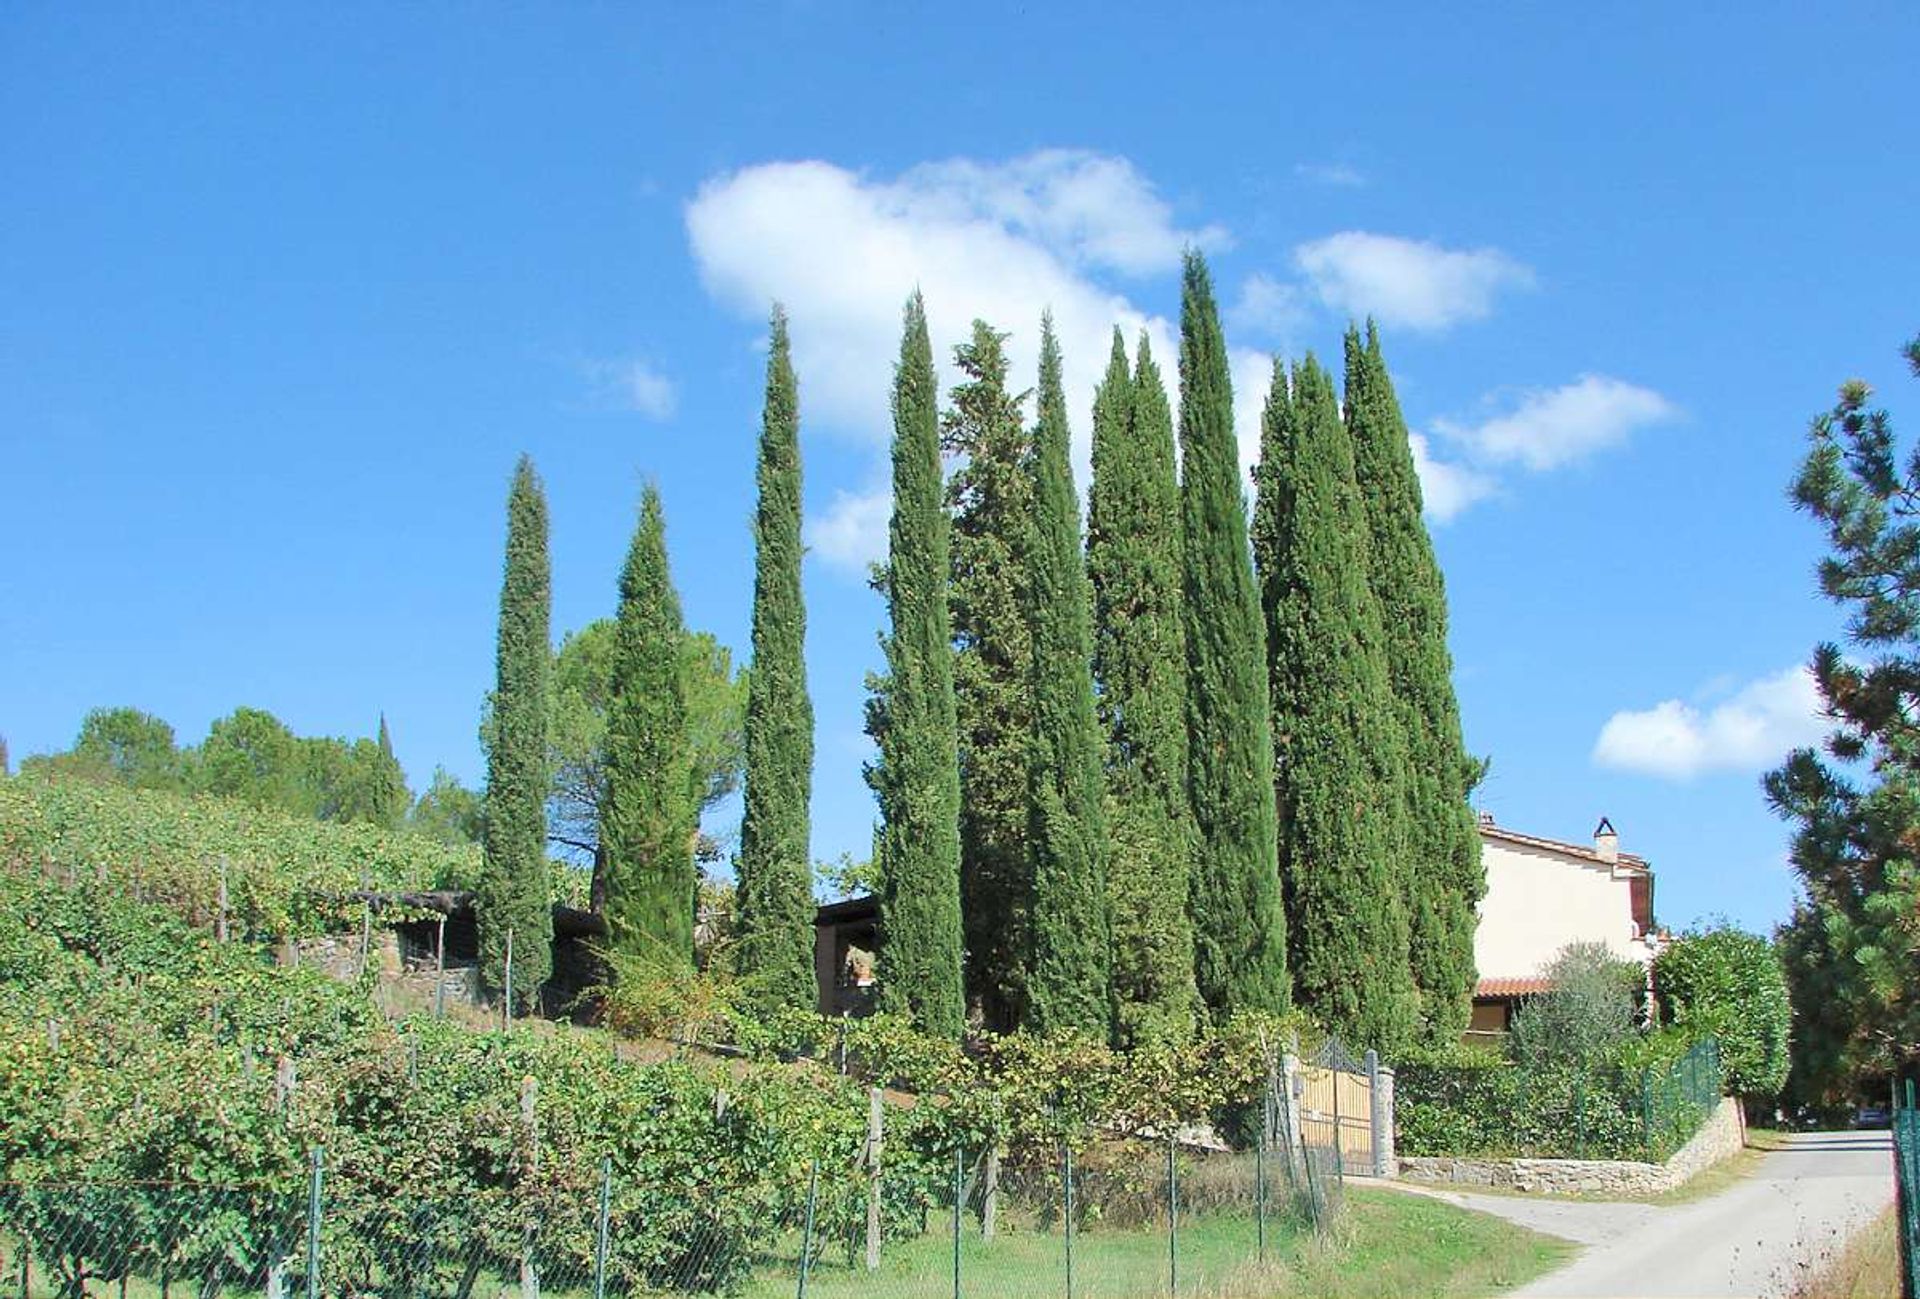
1173 1221
1067 1196
315 1159
959 1157
600 1228
806 1234
1260 1174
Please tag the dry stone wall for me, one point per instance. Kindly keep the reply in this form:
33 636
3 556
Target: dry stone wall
1720 1136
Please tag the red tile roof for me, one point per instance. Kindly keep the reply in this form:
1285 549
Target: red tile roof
1512 987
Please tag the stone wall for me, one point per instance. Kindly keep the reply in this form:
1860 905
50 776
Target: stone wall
1721 1135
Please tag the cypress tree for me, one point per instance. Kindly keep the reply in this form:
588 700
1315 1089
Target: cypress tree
1069 987
911 716
1139 661
390 795
991 496
775 922
1444 878
514 893
648 816
1240 935
1341 762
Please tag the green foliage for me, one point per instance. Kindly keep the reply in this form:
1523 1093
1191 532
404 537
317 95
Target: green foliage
580 695
1069 985
1586 1015
645 876
1140 665
286 875
1729 985
449 812
845 877
1341 775
514 893
1239 926
775 917
1643 1101
911 717
1443 878
1853 944
992 499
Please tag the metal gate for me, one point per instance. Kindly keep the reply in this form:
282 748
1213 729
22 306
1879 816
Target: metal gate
1906 1163
1336 1107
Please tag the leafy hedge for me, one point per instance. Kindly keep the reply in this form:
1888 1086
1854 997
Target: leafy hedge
286 875
1731 984
1465 1102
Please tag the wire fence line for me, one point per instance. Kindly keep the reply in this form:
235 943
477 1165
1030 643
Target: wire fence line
1105 1216
1906 1162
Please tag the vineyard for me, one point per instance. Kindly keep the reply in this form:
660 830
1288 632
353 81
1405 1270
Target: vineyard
167 1099
280 875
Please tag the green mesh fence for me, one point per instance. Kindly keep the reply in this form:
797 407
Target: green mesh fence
1104 1216
1906 1162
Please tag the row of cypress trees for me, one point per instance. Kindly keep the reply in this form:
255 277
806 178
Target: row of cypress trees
1182 771
645 876
1199 770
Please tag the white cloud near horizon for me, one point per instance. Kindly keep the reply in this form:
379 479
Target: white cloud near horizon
1407 283
1447 489
1747 731
1551 427
1000 242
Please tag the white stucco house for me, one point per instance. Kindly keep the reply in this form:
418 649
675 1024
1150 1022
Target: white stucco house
1543 894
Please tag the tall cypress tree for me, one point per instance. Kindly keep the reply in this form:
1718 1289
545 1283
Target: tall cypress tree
1139 661
1341 769
648 816
514 894
775 924
991 495
1069 987
1240 934
391 798
911 716
1444 878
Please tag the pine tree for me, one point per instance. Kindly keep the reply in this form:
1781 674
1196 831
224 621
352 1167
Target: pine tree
1445 880
648 816
991 496
774 929
514 894
1240 936
1341 761
911 716
1070 986
1139 661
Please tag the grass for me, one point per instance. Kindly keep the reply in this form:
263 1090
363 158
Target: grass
1387 1245
1867 1267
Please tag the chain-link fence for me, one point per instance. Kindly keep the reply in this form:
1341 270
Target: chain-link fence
1105 1216
1906 1162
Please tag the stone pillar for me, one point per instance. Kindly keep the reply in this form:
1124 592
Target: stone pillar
1290 1093
1386 1162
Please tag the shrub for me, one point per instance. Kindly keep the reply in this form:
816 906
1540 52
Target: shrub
1585 1015
1730 985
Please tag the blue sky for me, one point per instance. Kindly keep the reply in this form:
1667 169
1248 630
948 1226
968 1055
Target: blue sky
284 291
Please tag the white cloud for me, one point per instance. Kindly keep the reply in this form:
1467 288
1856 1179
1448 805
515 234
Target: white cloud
1551 427
852 533
1747 731
1447 488
1000 242
1336 174
633 385
1407 282
1268 306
